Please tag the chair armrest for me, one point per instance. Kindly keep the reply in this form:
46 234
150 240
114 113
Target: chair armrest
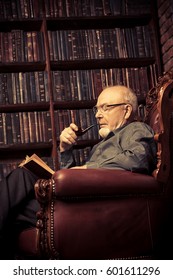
103 182
77 204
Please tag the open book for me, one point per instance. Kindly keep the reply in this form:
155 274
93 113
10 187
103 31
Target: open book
37 166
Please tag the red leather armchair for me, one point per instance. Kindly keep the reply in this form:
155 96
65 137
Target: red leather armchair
110 214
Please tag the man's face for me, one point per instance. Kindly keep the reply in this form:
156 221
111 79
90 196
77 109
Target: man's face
112 117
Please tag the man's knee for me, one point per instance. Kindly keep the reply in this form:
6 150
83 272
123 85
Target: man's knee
21 175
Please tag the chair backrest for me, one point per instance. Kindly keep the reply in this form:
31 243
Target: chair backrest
159 115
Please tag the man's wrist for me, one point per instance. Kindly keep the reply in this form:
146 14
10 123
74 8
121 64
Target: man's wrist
79 167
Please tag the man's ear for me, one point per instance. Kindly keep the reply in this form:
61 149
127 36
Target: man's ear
128 111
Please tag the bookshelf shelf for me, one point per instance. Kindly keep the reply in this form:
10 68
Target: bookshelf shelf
22 66
24 24
40 106
97 22
72 104
20 147
19 151
102 63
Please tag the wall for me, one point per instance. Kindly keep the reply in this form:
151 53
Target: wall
165 13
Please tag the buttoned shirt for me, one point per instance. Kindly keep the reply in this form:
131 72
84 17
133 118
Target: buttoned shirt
130 147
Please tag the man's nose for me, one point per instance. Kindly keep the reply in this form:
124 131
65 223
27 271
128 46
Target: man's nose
98 114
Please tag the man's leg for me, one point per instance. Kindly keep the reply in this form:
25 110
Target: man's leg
15 192
17 198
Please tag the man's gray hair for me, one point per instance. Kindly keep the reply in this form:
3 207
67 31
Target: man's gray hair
128 96
131 98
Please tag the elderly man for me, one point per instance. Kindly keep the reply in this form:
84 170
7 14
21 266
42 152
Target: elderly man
127 144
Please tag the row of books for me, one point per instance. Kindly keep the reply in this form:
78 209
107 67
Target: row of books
100 43
81 117
35 127
32 87
22 46
28 9
25 127
24 87
87 84
20 9
72 8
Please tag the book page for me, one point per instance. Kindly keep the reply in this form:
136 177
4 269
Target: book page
36 165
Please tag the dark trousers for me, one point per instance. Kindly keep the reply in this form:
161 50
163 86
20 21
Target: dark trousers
18 206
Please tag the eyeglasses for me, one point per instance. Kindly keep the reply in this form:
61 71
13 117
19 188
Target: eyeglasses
105 107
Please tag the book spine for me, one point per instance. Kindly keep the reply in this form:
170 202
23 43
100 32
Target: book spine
48 126
1 129
29 46
22 136
32 87
31 121
42 94
35 46
16 128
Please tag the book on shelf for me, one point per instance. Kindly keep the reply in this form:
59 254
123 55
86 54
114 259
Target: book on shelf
37 166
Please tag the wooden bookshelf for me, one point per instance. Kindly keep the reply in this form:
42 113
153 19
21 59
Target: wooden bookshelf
42 19
101 63
98 22
22 66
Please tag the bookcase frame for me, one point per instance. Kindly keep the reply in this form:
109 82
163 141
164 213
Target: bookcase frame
11 152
